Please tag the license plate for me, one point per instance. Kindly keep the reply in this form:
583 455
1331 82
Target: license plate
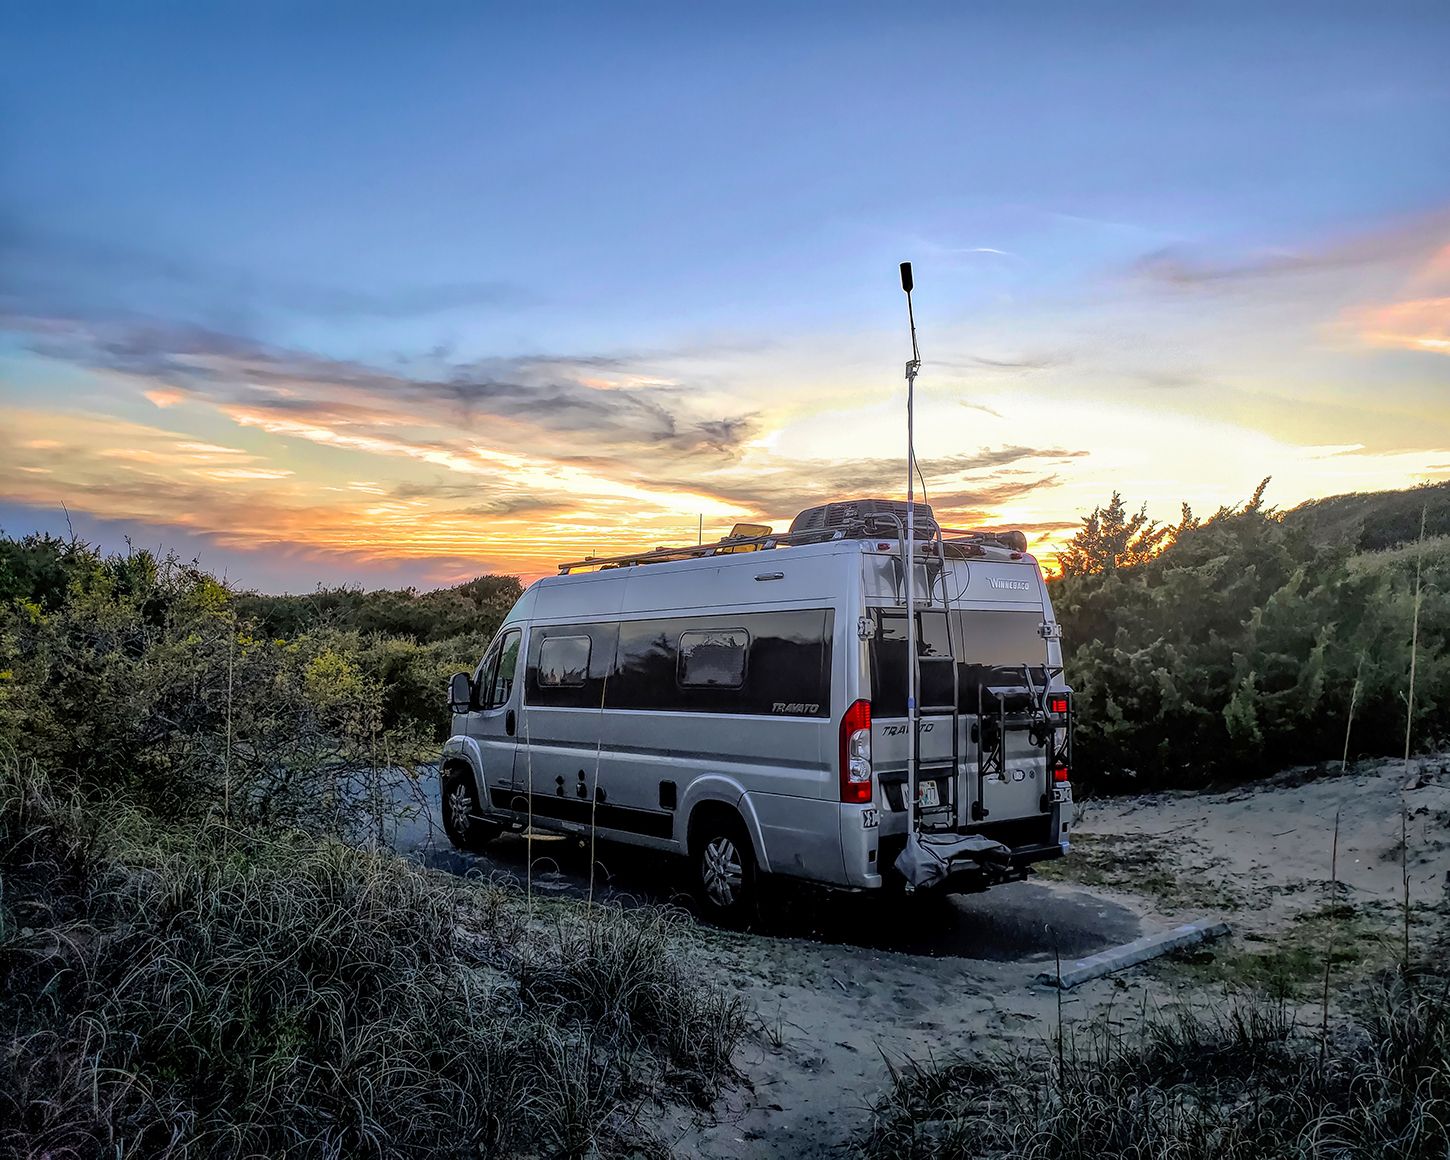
928 796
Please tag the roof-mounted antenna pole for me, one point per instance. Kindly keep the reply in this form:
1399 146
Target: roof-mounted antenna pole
908 556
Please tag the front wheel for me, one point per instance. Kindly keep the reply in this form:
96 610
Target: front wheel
725 872
463 820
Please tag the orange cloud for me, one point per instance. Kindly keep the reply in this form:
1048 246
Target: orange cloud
1418 324
1419 319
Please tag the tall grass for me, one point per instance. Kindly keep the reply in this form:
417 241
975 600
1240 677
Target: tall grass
210 992
1240 1083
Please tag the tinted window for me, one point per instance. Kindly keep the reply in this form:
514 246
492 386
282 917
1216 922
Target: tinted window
995 648
713 659
888 663
786 671
991 649
560 655
1000 638
564 662
776 663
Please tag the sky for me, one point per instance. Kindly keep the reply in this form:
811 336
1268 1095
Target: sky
403 294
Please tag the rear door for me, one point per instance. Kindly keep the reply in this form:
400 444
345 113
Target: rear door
1002 672
938 786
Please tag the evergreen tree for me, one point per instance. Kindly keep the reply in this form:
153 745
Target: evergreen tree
1111 539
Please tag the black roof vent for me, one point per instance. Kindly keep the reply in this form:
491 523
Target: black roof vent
855 515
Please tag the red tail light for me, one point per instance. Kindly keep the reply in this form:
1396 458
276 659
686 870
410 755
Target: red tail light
1060 773
856 786
1057 703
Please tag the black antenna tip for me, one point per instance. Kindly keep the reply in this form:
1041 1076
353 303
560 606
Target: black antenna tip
906 282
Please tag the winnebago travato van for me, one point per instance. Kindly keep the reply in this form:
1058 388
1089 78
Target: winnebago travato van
744 704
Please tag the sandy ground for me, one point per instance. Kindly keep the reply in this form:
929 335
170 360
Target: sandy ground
1265 851
841 985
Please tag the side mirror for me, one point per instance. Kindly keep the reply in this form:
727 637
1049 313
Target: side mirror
460 692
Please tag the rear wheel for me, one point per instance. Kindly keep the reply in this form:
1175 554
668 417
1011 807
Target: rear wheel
724 870
463 819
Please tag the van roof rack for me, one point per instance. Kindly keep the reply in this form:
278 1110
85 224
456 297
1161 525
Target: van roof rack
725 546
870 525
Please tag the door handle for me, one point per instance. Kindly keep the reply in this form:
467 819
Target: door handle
508 722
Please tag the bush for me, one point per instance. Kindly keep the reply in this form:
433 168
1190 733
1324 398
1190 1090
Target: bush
473 609
141 674
196 960
1237 649
1241 1083
214 992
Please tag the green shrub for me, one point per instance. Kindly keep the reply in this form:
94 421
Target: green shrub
144 677
472 609
1235 651
206 991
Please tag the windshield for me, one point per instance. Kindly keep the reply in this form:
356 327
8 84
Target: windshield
990 648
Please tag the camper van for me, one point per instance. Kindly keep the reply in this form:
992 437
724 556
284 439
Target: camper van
743 704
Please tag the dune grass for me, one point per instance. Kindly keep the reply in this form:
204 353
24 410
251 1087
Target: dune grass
1242 1082
206 992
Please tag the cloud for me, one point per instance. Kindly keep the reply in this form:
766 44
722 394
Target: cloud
1403 241
294 567
118 470
980 500
524 461
165 396
479 502
1417 324
781 489
1181 267
1417 315
981 407
354 404
1017 363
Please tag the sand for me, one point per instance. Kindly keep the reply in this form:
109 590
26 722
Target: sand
1257 856
842 985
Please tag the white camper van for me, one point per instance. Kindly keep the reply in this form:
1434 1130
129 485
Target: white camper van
743 704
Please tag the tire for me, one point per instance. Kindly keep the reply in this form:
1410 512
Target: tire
462 818
725 875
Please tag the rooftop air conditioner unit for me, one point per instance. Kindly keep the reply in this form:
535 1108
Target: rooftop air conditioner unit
854 512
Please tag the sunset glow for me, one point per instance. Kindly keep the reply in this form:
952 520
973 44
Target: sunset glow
417 334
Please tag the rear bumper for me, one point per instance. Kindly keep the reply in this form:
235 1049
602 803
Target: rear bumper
1027 855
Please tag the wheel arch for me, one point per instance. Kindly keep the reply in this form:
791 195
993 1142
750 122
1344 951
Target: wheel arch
463 753
737 810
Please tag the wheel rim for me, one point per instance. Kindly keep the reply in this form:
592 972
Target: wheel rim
460 808
722 872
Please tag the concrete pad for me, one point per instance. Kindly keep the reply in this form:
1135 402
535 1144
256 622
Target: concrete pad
1135 952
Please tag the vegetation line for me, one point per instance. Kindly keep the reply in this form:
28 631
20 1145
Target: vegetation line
206 948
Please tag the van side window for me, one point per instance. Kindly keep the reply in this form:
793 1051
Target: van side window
713 659
763 663
484 677
568 664
508 663
563 662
